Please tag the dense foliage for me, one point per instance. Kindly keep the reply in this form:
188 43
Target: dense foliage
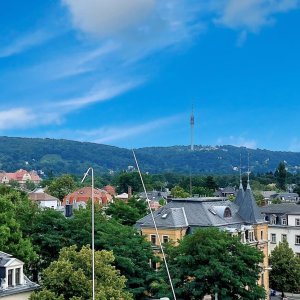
285 273
62 156
211 261
70 277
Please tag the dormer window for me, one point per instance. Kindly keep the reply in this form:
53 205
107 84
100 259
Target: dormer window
227 213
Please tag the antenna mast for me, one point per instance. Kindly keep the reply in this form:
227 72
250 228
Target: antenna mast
192 123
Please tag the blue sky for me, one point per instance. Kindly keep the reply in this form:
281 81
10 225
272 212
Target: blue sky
127 73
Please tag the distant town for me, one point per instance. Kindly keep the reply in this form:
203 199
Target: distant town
220 226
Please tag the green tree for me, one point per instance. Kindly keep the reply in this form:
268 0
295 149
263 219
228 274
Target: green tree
285 273
210 183
61 186
12 239
48 234
70 276
14 183
211 261
123 213
29 185
281 175
131 250
178 192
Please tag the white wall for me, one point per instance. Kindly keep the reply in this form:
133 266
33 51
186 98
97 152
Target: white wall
290 231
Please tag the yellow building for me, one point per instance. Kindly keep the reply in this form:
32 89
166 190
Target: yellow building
183 216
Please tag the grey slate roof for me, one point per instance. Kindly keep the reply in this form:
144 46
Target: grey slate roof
283 208
248 209
204 212
197 213
4 258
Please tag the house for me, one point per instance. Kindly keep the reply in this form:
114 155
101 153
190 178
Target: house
225 192
21 176
110 189
285 197
180 217
14 285
267 196
155 195
43 199
84 194
284 225
123 197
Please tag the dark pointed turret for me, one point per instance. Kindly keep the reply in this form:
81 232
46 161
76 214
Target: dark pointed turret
248 208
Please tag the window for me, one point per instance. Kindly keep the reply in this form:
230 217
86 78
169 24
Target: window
273 238
283 221
18 276
10 277
153 264
153 239
283 237
251 236
227 213
297 239
165 238
297 222
261 235
273 221
297 254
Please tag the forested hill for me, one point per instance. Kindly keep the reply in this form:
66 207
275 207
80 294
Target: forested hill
63 156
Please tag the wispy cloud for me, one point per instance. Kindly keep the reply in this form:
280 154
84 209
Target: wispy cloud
108 134
250 15
105 91
54 112
25 42
238 141
15 118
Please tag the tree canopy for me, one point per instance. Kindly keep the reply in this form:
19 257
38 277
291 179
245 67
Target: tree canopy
211 261
70 277
285 273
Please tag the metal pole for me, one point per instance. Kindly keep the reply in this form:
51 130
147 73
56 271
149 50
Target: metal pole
93 234
93 229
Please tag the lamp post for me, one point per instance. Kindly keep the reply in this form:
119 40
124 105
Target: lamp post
93 228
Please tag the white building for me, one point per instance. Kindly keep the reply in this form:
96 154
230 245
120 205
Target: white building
43 199
14 285
284 224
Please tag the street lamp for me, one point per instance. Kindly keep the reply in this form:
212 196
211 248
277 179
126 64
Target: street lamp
93 228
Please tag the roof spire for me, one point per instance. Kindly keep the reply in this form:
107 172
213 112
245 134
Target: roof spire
241 183
248 173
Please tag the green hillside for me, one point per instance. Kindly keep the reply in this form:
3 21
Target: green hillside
63 156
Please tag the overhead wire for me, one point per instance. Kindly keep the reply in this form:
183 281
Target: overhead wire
155 226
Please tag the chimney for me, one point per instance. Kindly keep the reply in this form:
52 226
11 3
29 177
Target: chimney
129 192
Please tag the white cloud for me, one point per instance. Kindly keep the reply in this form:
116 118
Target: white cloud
15 118
107 134
238 141
24 43
116 134
106 91
106 17
250 15
142 26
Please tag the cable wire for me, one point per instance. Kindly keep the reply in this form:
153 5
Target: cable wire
156 231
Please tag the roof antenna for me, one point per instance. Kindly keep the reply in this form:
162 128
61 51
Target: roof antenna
156 231
241 182
248 173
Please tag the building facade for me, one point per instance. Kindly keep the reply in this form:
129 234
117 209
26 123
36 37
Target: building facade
183 216
14 284
284 225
